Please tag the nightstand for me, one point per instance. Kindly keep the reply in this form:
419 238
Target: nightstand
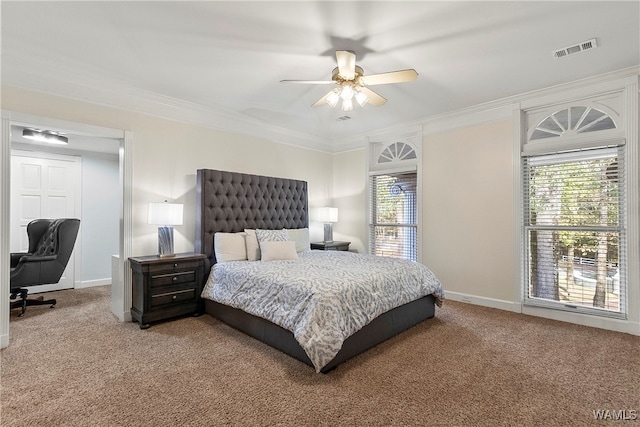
166 287
331 246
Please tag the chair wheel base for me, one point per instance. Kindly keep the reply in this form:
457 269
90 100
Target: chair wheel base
24 302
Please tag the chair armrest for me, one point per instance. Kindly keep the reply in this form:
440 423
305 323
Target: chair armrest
34 270
15 258
33 258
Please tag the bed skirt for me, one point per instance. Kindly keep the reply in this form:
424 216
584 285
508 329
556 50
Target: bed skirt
378 330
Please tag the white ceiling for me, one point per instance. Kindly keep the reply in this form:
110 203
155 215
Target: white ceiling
219 63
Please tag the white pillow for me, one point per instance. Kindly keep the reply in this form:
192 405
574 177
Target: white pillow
230 247
301 237
253 249
272 251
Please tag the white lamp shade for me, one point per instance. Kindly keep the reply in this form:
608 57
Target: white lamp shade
327 214
165 214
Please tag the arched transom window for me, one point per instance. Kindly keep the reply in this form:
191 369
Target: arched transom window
397 151
573 120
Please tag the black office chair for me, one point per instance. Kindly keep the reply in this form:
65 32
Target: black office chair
51 242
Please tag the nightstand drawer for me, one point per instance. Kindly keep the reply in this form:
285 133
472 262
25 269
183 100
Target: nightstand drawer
174 265
172 278
175 297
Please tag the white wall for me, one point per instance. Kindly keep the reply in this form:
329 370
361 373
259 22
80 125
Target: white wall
100 217
166 155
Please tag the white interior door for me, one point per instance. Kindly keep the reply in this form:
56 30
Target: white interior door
43 185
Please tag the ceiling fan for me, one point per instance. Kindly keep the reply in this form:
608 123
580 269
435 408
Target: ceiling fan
352 83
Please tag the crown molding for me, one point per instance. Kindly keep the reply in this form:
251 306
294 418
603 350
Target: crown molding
79 83
82 83
501 109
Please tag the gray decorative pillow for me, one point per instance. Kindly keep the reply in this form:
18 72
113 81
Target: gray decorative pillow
272 235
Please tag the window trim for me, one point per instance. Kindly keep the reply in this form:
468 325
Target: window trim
627 88
375 146
576 156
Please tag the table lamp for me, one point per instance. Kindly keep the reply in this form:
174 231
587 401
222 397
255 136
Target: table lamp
165 216
328 216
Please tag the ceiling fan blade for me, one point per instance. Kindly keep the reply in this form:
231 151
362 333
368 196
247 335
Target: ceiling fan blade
374 99
346 64
308 82
391 77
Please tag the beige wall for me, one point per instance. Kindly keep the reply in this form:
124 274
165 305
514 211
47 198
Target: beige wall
467 185
467 208
167 154
468 218
349 196
467 191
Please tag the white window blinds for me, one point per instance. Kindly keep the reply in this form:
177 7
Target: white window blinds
574 224
393 223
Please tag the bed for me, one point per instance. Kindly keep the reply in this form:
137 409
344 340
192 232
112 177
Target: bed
230 203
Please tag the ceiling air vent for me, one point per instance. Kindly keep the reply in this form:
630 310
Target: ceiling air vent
582 46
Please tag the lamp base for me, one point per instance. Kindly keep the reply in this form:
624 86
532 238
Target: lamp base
165 241
328 232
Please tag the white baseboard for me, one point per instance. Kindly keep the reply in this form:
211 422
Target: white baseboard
483 301
625 326
4 341
124 316
92 283
618 325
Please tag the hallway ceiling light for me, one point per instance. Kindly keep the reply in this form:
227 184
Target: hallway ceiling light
47 136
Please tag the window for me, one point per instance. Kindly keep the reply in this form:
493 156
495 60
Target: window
574 217
574 226
393 224
394 195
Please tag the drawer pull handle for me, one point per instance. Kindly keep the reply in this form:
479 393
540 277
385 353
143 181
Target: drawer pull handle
175 278
175 265
174 297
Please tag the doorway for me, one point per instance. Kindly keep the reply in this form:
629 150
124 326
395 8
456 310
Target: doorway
122 143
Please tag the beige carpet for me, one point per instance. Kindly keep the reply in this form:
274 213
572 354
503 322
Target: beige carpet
76 365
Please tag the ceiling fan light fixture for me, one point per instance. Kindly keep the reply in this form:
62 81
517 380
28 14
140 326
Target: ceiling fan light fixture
347 105
333 98
47 136
347 92
361 98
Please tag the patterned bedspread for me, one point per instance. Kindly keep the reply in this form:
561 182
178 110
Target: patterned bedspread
324 296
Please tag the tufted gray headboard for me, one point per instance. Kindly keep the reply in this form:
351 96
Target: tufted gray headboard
231 201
